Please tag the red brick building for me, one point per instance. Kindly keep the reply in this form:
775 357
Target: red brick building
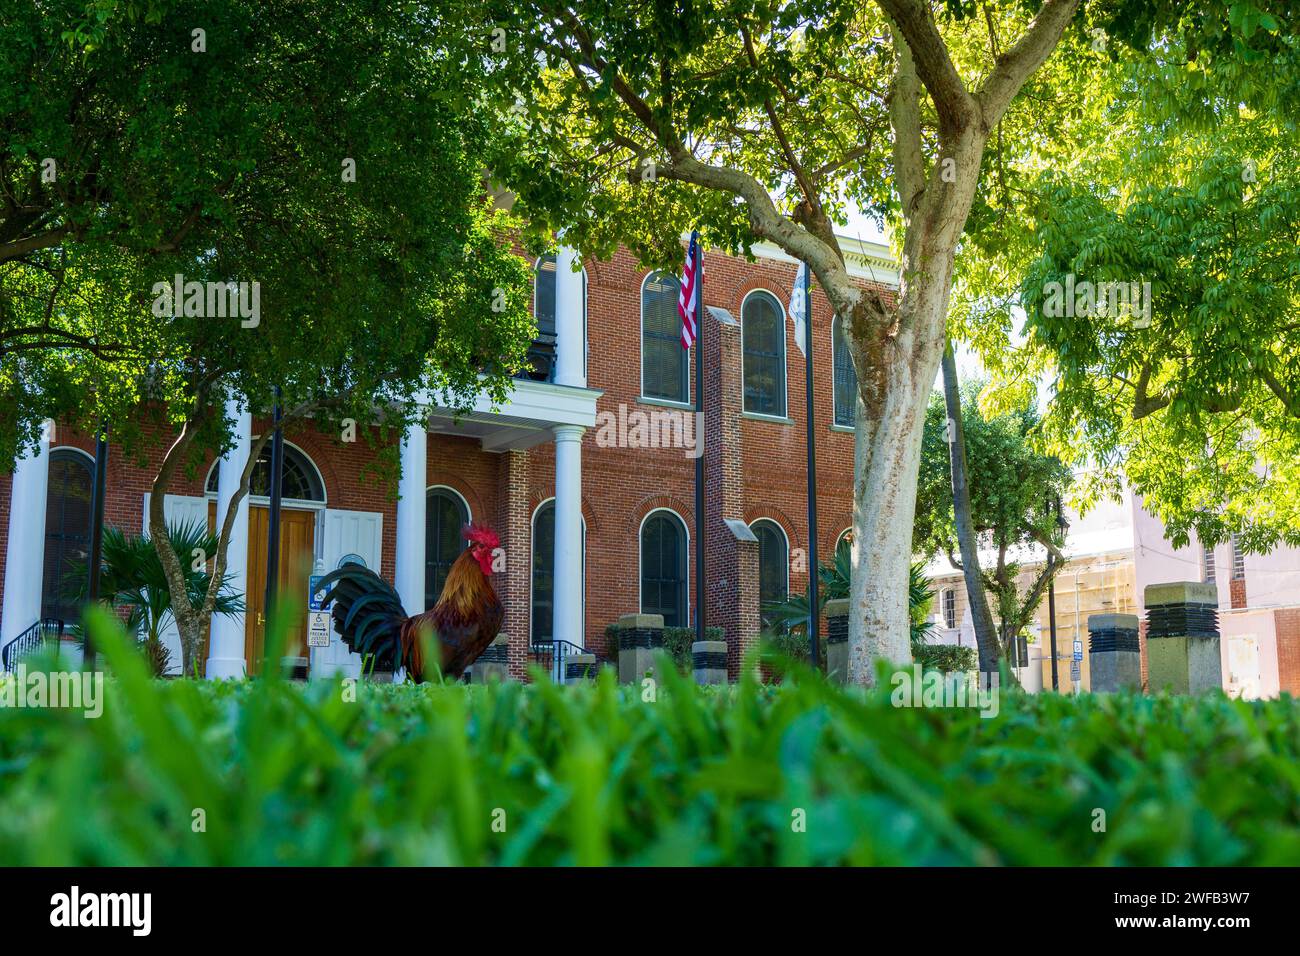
602 427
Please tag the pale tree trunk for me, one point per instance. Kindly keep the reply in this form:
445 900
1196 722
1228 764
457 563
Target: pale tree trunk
896 349
191 621
985 631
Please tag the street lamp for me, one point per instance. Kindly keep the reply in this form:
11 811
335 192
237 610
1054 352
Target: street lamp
1062 525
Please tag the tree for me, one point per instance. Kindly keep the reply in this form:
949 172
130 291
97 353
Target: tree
331 164
758 121
1013 491
963 521
132 578
1179 179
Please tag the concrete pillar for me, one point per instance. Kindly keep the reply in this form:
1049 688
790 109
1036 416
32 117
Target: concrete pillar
709 661
1183 637
25 552
1114 655
570 337
567 624
580 667
837 639
226 644
412 503
640 641
493 663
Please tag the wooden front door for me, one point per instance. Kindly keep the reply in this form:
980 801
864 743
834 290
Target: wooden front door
297 549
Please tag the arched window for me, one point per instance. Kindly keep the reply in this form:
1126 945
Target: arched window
846 378
665 365
544 309
446 514
300 481
542 620
773 563
663 568
763 345
67 532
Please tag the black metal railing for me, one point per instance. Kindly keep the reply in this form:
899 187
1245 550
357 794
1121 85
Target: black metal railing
29 640
539 365
555 657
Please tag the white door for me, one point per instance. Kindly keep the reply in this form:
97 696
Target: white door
357 536
177 509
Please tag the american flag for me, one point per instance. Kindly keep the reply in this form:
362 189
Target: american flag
688 300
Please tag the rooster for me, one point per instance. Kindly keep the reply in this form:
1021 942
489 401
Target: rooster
370 618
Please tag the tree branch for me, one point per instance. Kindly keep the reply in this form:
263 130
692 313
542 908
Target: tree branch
1025 56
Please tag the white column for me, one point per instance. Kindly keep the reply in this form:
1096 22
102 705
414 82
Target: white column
25 554
567 623
570 344
226 646
411 505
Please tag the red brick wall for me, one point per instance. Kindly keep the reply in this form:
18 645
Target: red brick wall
620 485
1286 623
1237 588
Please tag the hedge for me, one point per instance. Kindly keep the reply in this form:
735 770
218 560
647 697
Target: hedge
300 773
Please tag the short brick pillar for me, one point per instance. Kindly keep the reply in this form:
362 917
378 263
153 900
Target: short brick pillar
493 664
1183 637
580 667
1114 655
709 661
640 640
837 639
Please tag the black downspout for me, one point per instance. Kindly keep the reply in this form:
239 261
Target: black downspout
89 661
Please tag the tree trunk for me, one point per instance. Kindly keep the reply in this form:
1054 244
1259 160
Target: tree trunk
985 631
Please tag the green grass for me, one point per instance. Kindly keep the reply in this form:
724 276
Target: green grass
295 774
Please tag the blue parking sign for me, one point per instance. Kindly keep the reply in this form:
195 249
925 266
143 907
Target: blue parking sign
313 593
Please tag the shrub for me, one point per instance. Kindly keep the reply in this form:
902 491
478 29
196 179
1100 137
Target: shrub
677 643
294 773
945 657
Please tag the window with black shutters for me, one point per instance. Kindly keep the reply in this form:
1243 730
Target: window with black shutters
763 341
663 568
949 608
665 365
444 518
846 378
67 533
773 561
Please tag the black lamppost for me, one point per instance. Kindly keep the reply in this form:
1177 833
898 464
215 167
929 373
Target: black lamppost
1062 525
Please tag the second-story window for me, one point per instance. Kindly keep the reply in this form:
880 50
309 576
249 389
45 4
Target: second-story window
949 608
542 355
846 378
665 365
763 345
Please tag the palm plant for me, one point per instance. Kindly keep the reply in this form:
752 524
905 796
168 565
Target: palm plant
792 613
131 578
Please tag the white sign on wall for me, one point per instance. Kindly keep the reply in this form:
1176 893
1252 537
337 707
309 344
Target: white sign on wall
318 628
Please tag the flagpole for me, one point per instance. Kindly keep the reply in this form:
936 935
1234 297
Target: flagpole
814 612
699 437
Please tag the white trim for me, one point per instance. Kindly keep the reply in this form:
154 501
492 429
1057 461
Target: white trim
640 345
687 529
80 451
785 357
840 537
785 537
469 512
532 552
299 504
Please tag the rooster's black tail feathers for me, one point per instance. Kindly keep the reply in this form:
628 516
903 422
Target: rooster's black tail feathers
367 613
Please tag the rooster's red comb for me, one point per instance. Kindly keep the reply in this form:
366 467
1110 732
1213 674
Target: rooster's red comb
481 534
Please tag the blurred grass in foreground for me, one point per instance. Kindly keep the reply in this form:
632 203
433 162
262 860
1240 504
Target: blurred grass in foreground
288 773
